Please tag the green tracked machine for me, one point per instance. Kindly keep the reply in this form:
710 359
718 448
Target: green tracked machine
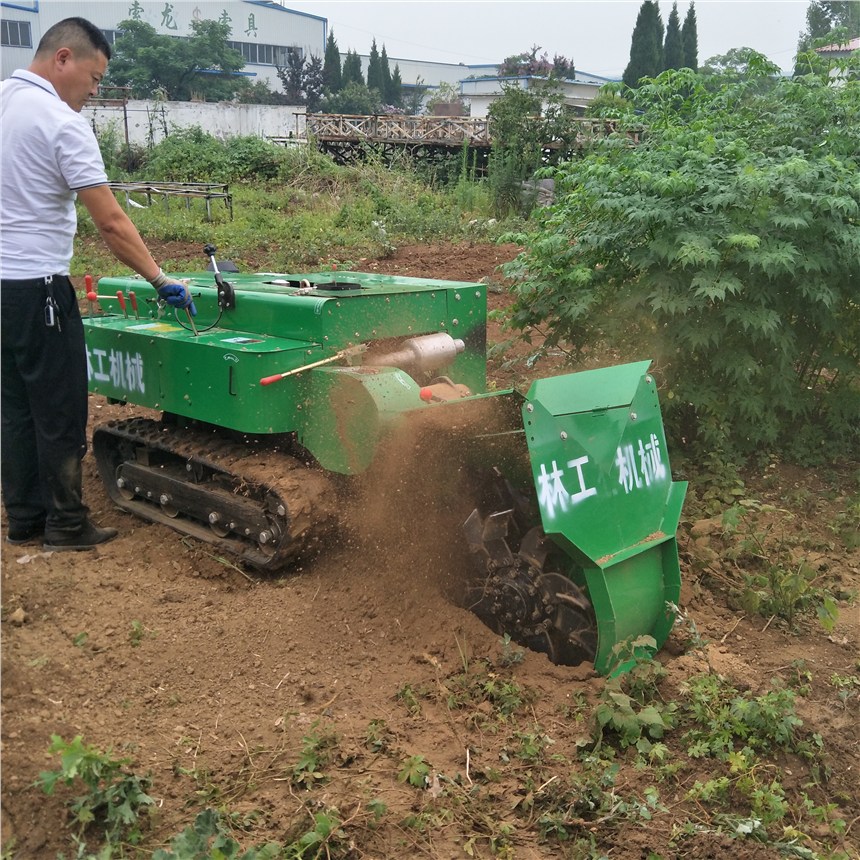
285 388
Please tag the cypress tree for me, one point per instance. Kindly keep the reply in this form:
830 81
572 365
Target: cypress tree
396 95
352 69
385 92
690 39
673 47
375 80
646 46
332 76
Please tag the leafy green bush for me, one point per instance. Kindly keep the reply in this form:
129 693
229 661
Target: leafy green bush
726 247
192 155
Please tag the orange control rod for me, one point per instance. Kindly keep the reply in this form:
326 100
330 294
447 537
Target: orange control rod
268 380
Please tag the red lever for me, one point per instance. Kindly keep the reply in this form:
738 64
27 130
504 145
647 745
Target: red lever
268 380
133 299
121 299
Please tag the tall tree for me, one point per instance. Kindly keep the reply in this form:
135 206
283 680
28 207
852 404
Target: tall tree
292 77
332 76
147 62
822 18
375 79
673 47
690 38
352 69
646 46
312 83
395 95
386 77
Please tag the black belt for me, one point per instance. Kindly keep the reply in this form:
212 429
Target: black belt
46 281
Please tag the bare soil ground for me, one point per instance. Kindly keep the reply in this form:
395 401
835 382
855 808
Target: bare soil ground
209 678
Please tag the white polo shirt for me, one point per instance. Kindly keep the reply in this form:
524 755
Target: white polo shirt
47 153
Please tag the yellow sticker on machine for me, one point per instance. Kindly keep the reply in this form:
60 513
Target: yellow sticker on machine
154 326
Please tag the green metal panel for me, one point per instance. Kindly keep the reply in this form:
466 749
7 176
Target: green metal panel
606 495
281 322
346 411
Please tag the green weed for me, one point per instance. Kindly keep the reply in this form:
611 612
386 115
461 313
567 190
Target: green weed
775 583
316 752
114 799
409 698
415 771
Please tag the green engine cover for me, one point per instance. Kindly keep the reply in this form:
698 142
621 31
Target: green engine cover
281 323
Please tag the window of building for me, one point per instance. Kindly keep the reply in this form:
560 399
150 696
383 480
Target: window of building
264 55
15 34
111 35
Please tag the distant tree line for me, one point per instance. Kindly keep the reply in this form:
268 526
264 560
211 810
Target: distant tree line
346 89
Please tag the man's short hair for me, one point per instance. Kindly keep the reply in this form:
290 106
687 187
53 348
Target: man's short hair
82 36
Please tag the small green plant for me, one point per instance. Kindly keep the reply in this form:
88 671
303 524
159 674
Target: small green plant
378 737
408 697
619 715
326 839
208 839
724 721
510 656
315 754
775 583
138 631
847 687
114 799
415 771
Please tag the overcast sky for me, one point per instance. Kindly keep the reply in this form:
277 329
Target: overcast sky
595 34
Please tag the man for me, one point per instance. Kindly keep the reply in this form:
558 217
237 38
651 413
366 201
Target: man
48 156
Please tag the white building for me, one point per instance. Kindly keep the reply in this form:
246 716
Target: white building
481 92
265 33
262 31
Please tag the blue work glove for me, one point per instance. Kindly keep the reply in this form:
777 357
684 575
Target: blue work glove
177 296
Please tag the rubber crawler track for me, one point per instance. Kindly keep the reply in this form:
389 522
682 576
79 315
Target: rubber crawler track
262 477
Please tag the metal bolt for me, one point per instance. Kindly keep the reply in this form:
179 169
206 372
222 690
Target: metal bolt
247 532
457 297
214 517
563 435
455 322
648 379
163 499
120 482
282 511
633 416
477 294
137 490
264 537
530 407
149 494
188 467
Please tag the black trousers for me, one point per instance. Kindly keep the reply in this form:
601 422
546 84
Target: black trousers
43 407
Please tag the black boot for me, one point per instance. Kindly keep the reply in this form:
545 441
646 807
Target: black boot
88 538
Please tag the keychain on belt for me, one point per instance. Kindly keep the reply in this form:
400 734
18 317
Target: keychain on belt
52 309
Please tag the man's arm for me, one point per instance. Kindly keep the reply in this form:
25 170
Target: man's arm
122 238
118 231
